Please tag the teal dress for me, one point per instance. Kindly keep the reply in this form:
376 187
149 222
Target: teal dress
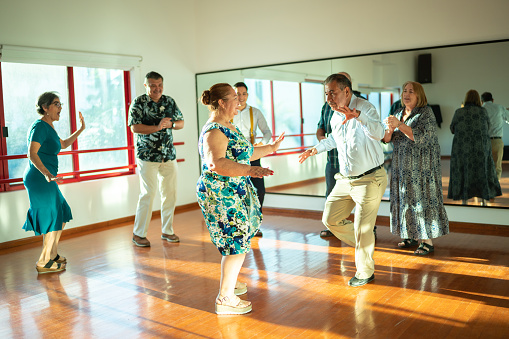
48 208
230 205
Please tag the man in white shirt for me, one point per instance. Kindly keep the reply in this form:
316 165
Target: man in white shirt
361 181
497 114
249 120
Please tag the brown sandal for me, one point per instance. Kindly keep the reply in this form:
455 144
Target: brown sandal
239 306
47 268
60 260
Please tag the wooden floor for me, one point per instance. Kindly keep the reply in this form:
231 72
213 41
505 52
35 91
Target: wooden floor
317 188
297 283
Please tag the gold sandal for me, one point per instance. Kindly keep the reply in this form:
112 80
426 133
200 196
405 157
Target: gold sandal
47 268
225 306
240 288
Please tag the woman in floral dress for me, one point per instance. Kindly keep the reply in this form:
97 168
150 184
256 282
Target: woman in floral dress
417 204
225 193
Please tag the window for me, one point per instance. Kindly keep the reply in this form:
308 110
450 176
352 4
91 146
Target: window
290 107
105 147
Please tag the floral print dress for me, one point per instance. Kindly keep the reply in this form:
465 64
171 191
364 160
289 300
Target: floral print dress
229 204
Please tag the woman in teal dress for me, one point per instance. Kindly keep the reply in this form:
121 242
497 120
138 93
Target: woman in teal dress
48 211
225 193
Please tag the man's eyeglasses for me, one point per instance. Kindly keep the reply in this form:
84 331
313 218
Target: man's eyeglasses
58 104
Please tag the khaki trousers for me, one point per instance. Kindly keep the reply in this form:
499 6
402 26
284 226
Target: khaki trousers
365 195
497 149
152 174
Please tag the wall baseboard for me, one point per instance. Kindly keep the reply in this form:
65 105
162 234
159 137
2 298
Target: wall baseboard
77 231
454 226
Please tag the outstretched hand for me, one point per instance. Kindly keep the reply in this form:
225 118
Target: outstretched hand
348 113
260 172
276 143
306 154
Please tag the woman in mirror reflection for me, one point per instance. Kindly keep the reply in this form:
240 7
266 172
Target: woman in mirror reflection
417 208
49 212
226 194
473 172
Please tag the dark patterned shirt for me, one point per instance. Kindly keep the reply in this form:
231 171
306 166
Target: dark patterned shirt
324 123
158 146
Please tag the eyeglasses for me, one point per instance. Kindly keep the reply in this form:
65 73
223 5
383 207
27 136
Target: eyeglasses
58 104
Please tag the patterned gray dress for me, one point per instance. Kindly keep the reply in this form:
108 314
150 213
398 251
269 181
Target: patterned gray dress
417 206
473 171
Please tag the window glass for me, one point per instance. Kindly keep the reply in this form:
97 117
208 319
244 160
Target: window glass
313 99
260 97
287 111
100 98
22 85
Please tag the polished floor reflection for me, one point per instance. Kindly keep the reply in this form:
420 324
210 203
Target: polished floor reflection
317 188
297 282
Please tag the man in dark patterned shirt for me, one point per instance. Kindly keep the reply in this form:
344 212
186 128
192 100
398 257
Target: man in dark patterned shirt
153 117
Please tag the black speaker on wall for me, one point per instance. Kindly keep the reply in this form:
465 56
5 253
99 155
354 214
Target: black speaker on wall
424 68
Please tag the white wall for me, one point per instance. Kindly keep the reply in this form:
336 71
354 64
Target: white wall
164 35
181 38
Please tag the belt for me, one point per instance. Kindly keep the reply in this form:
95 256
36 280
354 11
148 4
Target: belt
366 173
496 138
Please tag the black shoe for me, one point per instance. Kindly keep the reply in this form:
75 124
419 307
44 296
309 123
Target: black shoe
374 231
326 233
258 234
354 282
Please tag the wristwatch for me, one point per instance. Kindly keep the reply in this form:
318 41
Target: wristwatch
172 125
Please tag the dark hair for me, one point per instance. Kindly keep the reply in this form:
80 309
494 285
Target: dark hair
153 75
486 96
341 80
472 97
45 99
210 97
240 84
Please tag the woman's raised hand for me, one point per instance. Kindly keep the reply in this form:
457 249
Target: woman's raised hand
82 122
276 143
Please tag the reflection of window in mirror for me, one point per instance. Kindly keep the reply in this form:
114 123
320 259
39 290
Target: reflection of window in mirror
289 106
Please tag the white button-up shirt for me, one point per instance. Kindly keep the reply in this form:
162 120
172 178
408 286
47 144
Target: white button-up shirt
357 141
243 122
497 115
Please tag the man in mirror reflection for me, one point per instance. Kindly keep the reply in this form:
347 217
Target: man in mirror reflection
497 114
153 117
249 120
361 179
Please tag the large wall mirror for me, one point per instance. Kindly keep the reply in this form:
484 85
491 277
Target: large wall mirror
291 97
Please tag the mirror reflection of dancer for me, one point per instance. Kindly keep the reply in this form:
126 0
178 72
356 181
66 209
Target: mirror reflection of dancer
49 212
361 181
229 204
249 120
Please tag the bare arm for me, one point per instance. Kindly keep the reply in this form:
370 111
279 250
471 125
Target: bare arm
68 142
33 148
320 134
215 144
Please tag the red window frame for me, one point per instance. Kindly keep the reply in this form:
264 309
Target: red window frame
13 184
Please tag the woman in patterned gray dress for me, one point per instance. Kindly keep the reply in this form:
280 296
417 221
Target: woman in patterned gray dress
473 171
225 193
417 207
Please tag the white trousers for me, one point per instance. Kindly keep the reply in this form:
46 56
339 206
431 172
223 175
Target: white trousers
365 195
152 173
